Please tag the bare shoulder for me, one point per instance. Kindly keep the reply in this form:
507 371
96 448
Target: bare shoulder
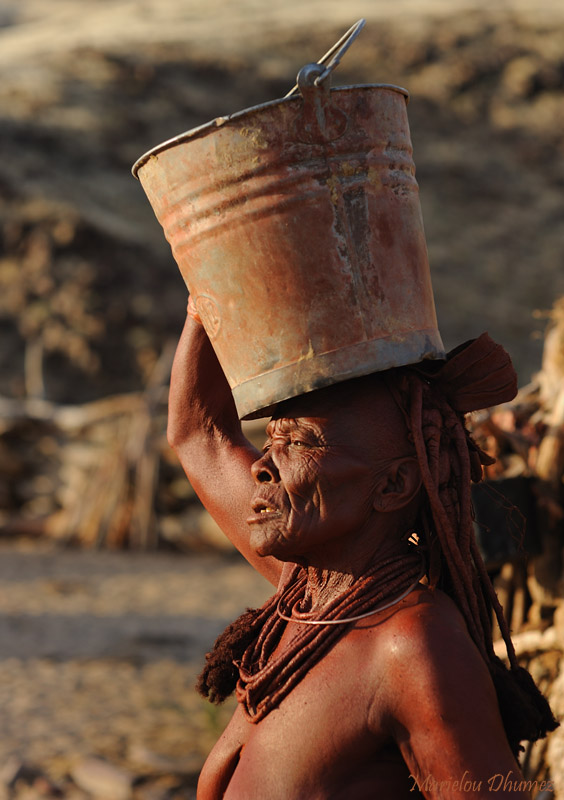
428 636
424 659
434 694
427 623
428 604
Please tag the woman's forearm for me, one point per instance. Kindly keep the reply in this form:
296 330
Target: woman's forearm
201 405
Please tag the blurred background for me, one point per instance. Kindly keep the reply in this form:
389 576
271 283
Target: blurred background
113 580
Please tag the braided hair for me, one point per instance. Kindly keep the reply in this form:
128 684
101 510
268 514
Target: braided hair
449 461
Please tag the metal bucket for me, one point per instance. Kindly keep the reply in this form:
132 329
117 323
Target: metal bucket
297 229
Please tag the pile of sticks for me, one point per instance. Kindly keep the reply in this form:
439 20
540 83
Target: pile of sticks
526 437
101 474
86 474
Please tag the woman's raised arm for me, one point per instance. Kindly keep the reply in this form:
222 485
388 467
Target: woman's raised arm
205 432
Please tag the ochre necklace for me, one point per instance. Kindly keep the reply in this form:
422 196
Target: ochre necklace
342 620
267 677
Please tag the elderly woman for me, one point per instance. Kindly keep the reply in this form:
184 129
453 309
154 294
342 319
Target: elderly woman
371 671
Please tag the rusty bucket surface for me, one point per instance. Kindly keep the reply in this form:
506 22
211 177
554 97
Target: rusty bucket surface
297 228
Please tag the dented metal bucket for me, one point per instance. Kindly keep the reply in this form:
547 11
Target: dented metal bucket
297 228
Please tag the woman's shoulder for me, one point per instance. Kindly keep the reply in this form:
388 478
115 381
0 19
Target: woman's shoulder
425 627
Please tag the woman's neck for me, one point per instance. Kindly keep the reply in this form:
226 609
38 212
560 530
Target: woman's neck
326 581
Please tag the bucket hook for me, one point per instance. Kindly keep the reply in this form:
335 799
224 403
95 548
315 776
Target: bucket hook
316 74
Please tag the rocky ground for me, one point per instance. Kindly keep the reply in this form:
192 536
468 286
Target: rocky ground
99 653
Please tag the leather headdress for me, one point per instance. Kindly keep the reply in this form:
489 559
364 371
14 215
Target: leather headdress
477 374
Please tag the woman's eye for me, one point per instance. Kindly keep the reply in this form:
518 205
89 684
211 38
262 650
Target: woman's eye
299 443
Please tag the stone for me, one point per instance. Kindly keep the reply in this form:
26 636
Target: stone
102 779
14 771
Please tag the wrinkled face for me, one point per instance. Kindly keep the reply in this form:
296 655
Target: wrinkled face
316 479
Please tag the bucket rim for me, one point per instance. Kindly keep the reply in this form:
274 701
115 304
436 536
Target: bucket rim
218 122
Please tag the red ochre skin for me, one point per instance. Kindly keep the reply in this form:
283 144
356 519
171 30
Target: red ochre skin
403 700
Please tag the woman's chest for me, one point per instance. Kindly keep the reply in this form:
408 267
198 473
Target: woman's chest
317 743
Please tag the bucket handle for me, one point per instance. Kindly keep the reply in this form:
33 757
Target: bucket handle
333 56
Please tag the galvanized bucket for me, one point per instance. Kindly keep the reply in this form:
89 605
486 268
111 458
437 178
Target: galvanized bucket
297 228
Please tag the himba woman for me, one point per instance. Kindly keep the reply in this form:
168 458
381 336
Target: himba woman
371 671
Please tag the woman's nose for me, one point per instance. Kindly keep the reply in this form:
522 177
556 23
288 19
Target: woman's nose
264 470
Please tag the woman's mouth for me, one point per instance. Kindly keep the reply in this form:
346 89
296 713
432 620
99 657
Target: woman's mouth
263 511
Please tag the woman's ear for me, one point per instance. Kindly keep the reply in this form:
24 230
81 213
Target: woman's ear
398 486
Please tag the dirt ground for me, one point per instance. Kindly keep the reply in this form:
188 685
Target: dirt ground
99 653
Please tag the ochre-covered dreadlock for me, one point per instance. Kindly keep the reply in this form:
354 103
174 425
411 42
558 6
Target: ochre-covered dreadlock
433 401
449 461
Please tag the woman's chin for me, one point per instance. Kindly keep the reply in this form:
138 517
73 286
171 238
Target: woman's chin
271 542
